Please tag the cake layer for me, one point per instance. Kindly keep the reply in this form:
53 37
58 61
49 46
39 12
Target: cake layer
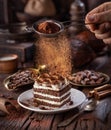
52 92
50 104
51 97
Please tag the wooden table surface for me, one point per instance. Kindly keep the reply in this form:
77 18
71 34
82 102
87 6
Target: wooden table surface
28 120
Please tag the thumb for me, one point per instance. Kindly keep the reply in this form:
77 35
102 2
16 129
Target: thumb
99 17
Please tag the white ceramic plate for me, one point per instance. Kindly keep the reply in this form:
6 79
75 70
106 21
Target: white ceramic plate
77 97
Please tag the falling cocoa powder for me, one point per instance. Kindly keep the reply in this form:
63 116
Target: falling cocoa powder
55 53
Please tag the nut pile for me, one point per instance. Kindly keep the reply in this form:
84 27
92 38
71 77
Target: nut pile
20 78
87 77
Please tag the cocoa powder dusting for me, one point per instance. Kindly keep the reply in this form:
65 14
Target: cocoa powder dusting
55 53
48 27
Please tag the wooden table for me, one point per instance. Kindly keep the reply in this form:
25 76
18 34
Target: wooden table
28 120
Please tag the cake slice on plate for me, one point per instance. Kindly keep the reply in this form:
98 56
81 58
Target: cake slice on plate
51 91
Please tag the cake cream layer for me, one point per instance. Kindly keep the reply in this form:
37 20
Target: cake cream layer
51 100
52 92
51 104
55 87
51 97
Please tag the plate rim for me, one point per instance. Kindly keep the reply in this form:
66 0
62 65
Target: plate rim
6 81
59 110
95 85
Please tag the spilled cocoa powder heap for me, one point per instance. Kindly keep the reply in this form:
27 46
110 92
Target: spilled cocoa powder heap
55 53
48 28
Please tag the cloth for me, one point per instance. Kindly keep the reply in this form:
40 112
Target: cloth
40 8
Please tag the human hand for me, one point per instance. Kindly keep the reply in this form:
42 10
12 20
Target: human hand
99 20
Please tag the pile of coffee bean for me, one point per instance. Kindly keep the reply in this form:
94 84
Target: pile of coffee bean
87 77
21 78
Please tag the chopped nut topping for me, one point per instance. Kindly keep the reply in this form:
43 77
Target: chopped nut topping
50 78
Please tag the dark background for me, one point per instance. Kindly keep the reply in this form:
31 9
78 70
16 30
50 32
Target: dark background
13 10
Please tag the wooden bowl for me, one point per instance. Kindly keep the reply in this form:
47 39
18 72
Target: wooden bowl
8 63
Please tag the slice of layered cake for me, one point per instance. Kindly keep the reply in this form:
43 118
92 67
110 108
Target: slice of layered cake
51 91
